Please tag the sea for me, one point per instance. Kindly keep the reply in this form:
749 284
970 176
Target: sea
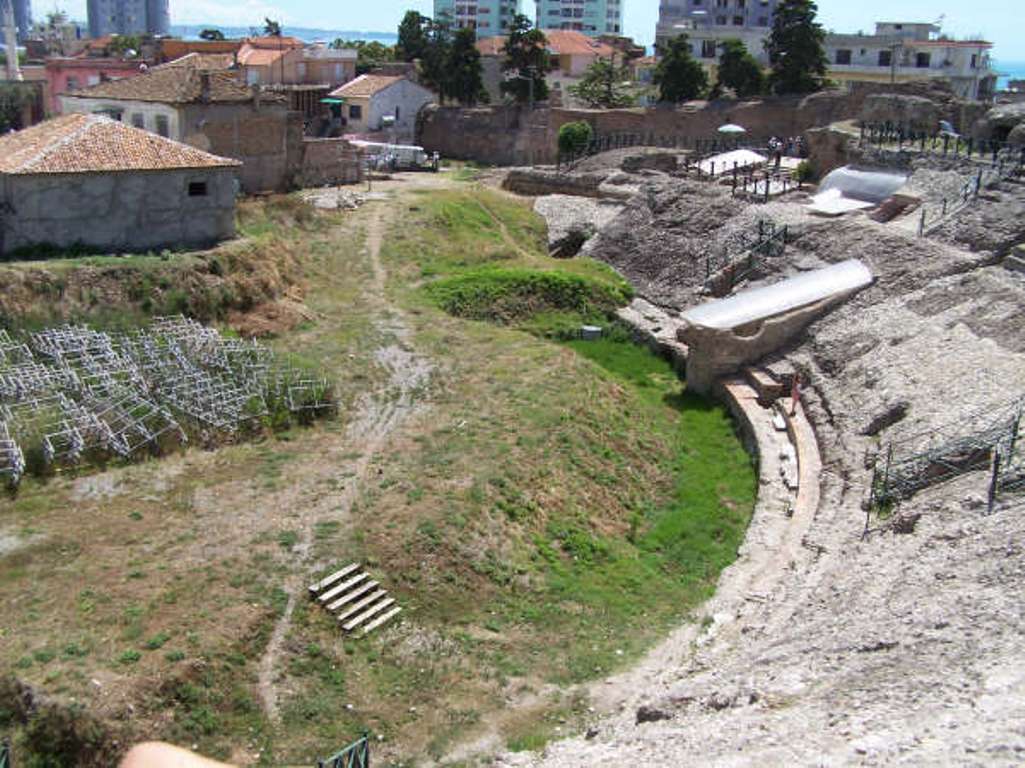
308 35
1009 70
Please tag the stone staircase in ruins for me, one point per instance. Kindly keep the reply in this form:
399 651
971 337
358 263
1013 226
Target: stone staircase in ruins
355 600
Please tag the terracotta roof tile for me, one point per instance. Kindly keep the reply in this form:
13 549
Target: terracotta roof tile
170 85
563 42
366 85
96 144
206 61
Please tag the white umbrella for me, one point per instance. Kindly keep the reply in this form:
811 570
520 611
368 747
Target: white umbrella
732 128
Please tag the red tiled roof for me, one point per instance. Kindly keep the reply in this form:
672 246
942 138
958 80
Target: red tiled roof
168 84
491 46
96 144
366 85
204 61
561 42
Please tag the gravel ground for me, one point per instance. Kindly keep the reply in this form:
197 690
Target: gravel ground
892 649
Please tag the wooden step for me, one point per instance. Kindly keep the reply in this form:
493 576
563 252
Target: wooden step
348 598
362 604
342 588
380 620
371 611
327 581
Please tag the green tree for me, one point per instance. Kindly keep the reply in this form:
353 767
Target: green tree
412 36
679 76
464 80
526 61
271 28
739 70
14 99
123 44
369 55
605 85
435 60
574 137
795 48
211 34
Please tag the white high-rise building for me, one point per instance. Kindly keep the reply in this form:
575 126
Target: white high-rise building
592 17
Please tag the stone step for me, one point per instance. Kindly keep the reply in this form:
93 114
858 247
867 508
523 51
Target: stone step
769 390
368 613
361 590
327 581
381 620
342 588
353 610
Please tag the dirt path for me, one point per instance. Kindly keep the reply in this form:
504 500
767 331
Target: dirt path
376 416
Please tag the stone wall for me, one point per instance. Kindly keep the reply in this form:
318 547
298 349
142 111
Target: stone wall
512 135
127 211
330 162
267 138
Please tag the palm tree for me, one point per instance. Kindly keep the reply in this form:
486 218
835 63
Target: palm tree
271 28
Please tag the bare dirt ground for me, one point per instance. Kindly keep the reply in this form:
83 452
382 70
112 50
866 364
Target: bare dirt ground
377 416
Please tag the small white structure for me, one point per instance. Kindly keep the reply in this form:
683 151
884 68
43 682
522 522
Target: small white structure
726 334
372 103
849 189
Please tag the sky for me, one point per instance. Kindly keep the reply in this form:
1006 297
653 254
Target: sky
1000 21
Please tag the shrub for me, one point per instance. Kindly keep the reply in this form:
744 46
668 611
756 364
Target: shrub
574 137
804 171
509 295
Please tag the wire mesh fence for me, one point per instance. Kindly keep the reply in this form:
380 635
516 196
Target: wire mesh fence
70 393
985 440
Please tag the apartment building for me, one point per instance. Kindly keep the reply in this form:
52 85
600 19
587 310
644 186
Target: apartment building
129 17
708 22
22 18
901 52
592 17
487 17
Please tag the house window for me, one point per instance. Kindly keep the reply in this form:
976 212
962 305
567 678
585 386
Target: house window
975 61
163 126
72 83
355 112
197 189
885 58
396 114
763 21
708 48
843 56
138 120
738 21
252 77
923 60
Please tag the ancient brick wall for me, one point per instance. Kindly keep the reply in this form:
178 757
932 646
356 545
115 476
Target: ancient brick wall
329 161
511 135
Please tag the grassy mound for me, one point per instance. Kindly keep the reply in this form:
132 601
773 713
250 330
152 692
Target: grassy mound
508 296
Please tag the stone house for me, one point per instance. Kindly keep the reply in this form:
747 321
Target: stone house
93 181
209 110
372 104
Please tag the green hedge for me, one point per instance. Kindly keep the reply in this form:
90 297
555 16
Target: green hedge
511 295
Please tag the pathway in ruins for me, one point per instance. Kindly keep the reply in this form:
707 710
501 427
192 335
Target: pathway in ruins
375 418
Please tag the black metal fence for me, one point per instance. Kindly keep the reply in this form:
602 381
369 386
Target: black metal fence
567 161
987 440
943 143
356 755
724 270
